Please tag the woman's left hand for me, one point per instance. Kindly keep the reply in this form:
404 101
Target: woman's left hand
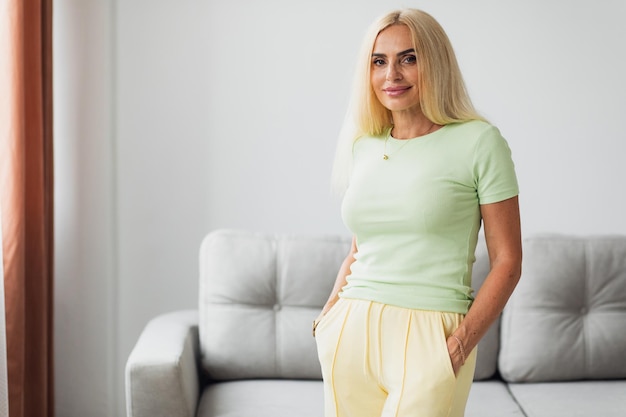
456 356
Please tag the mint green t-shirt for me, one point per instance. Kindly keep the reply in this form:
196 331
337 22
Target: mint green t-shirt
416 215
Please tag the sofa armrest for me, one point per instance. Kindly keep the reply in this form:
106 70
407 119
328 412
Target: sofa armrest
162 377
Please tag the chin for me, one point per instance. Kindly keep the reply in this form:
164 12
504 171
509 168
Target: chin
395 107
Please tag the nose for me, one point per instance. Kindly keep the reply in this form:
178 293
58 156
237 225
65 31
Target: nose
393 73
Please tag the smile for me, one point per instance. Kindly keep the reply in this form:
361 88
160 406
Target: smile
396 91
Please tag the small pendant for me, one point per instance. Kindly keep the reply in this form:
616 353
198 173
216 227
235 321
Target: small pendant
385 157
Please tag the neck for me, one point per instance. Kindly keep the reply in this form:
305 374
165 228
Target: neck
407 126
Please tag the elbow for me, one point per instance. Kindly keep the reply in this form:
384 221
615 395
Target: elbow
509 266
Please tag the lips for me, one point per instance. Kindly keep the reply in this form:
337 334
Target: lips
396 91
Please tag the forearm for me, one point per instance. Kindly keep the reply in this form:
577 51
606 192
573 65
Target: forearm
340 282
341 279
489 303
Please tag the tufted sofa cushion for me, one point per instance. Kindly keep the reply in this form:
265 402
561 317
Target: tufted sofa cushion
259 294
565 320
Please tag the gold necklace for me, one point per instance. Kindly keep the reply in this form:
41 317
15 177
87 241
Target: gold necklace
386 155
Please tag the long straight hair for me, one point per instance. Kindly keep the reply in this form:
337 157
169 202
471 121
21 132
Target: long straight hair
443 95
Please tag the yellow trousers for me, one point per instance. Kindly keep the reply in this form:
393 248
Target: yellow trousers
385 361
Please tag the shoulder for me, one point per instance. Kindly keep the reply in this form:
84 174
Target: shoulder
478 135
473 129
467 137
365 142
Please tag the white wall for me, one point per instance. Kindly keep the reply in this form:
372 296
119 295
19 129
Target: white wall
86 281
174 118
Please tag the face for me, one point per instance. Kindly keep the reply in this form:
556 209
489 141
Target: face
394 72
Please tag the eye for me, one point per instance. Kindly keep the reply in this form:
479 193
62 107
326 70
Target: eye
409 59
378 62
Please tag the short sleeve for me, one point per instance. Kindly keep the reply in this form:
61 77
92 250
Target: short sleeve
494 170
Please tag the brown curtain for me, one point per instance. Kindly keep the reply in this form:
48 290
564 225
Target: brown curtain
26 201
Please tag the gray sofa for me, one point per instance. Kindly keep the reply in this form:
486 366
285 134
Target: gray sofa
559 348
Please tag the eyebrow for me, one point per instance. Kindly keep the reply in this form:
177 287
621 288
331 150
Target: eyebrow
408 51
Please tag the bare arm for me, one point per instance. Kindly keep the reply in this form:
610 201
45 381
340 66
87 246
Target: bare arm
503 235
340 281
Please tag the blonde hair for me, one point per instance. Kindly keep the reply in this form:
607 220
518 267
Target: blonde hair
443 96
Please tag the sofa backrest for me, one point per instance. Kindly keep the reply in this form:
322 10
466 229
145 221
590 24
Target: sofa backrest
566 319
259 294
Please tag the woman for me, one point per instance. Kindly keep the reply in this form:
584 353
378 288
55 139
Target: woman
397 336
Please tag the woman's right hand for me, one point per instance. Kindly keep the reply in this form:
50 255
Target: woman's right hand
320 317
